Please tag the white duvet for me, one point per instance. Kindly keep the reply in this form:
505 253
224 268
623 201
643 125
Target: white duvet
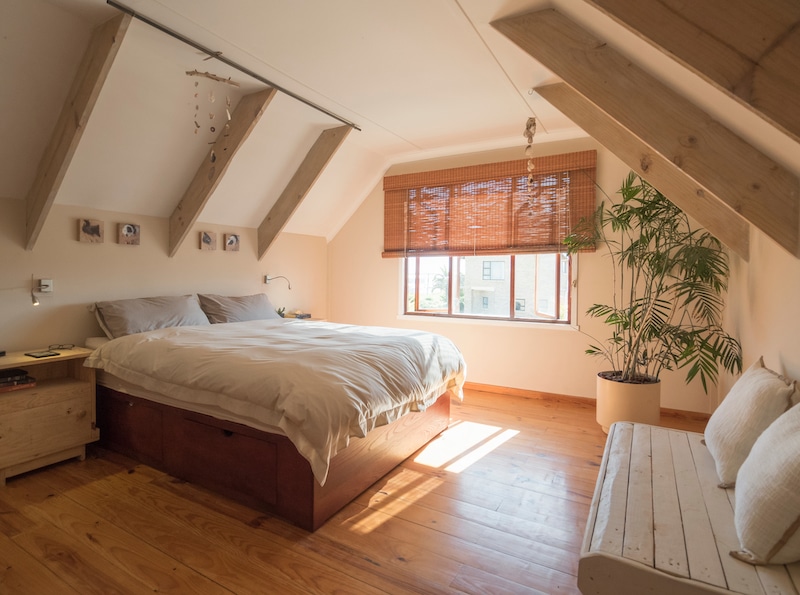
320 382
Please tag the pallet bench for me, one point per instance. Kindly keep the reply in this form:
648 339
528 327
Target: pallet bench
659 524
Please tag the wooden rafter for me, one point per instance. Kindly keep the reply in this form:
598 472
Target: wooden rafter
695 200
748 49
303 179
92 72
687 138
210 172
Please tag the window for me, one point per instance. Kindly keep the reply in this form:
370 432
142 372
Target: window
486 240
494 270
458 287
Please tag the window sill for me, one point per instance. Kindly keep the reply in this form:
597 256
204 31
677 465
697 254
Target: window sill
488 322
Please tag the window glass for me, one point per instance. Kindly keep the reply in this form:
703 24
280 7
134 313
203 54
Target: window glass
527 287
434 278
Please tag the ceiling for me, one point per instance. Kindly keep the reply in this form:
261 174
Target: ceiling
419 78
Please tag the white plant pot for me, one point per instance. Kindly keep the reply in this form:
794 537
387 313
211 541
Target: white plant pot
623 401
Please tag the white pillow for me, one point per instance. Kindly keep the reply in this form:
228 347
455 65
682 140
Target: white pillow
767 513
753 403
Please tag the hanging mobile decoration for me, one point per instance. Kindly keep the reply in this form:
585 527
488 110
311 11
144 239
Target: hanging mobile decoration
213 77
530 132
196 107
211 99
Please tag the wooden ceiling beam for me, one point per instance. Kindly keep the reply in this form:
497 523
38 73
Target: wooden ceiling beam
696 201
746 180
92 72
209 174
748 49
302 181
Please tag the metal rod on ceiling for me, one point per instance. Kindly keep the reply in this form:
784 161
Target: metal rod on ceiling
219 56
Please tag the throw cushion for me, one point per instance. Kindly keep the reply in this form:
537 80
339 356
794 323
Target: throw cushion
767 511
752 404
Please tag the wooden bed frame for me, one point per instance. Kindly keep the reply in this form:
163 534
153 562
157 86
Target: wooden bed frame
257 468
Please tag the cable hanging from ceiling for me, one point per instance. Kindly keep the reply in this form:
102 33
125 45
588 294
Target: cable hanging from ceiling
219 56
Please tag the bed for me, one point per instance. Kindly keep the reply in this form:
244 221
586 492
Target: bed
289 416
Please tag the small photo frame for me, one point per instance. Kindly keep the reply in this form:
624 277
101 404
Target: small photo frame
128 234
208 240
231 242
90 230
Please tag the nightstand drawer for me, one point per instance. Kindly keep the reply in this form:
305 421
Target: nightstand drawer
48 392
30 433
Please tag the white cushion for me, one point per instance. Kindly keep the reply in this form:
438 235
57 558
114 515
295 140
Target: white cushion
753 403
767 512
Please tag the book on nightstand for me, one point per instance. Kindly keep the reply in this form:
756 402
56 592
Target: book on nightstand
20 383
15 379
12 374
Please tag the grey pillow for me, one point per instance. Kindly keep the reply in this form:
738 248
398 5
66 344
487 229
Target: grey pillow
220 308
118 318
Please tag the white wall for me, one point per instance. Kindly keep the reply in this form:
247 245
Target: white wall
365 289
84 273
764 305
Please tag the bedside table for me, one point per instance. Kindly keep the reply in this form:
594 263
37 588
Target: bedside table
52 421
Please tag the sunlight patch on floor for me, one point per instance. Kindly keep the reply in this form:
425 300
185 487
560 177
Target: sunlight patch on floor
463 444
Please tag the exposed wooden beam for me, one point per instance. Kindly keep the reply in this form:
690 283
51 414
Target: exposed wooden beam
208 176
92 72
696 201
748 49
303 179
746 180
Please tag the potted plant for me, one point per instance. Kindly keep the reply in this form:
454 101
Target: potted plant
669 285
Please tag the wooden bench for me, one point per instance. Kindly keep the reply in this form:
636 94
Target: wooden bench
659 523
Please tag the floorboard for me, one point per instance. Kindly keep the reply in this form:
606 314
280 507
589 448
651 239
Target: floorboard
497 504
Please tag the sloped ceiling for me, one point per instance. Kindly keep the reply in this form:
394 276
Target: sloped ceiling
419 78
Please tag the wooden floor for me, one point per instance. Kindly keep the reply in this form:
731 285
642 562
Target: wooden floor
498 505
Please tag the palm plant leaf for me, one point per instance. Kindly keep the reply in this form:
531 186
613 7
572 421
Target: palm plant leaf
670 282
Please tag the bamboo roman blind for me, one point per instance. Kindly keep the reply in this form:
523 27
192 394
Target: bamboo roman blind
488 209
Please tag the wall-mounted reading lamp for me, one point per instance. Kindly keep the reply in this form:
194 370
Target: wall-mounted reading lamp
43 286
267 279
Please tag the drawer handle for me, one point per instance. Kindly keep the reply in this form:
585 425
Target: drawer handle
227 433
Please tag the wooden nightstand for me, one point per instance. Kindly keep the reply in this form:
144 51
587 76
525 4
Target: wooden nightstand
52 421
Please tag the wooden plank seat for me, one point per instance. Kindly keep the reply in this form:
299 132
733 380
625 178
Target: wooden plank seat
659 524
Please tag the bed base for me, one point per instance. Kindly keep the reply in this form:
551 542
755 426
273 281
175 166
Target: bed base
257 468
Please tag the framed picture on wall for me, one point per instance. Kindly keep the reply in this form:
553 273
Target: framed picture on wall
90 230
232 242
208 240
128 234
